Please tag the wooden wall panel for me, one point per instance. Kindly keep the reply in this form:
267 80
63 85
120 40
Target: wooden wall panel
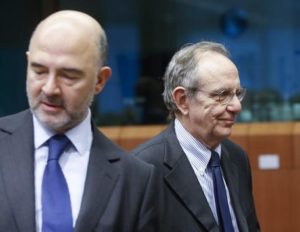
296 145
295 200
113 133
240 135
271 138
272 194
132 136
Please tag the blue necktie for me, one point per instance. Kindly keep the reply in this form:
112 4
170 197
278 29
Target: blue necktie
225 221
56 203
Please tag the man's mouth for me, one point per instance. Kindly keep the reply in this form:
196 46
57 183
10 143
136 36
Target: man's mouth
228 121
51 107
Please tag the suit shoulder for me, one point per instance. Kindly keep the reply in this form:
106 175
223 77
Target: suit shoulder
230 145
114 153
152 143
134 167
236 151
151 151
10 123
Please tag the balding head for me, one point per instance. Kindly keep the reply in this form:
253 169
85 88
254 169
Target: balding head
65 68
72 25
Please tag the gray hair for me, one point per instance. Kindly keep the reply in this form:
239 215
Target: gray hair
182 68
102 46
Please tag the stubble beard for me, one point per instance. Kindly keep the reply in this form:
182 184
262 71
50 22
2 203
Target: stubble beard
65 120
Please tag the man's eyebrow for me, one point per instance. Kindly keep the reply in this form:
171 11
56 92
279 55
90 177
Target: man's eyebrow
37 65
64 70
72 71
221 89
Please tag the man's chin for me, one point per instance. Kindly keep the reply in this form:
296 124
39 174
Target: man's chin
53 122
225 132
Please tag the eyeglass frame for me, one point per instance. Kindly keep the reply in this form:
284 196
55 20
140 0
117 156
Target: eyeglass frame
240 93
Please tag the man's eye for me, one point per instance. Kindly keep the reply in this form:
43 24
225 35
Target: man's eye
39 72
223 94
69 77
238 92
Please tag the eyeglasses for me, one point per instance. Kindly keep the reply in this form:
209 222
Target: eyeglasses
225 96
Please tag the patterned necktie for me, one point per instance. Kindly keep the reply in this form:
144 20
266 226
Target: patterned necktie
225 221
56 203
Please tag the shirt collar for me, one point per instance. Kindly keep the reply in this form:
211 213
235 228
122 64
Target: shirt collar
76 135
193 146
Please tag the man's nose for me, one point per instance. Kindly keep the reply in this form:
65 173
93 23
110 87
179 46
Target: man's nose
234 104
51 86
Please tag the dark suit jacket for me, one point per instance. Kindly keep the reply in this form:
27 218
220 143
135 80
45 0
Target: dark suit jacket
118 190
182 203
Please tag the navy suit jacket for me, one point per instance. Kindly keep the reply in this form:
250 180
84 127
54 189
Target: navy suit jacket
118 193
182 204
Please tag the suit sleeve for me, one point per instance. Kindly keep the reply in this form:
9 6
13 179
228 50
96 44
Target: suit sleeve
148 215
252 219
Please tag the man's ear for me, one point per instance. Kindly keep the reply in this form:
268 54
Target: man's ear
181 99
103 76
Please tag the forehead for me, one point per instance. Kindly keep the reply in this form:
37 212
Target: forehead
60 38
60 43
214 70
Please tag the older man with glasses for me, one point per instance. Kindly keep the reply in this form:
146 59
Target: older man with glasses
205 179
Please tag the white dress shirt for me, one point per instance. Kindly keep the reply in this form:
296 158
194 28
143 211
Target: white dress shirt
199 156
74 163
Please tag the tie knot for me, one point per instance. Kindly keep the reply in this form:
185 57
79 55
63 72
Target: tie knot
57 144
214 159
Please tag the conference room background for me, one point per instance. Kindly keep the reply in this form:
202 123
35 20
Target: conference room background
262 36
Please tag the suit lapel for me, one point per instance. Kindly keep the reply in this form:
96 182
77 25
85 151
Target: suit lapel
17 165
183 181
100 181
232 180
